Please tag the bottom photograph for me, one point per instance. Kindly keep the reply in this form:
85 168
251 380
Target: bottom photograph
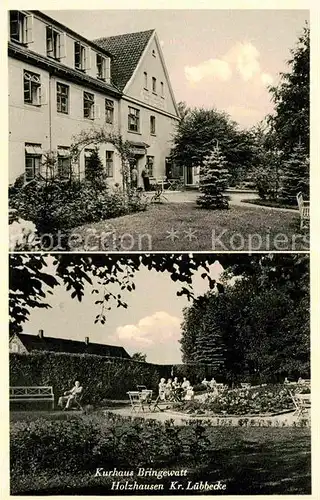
159 374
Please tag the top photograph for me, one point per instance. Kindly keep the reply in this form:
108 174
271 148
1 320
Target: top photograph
159 130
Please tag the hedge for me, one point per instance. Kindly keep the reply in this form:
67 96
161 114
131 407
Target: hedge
101 377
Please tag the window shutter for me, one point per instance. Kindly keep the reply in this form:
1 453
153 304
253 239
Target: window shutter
108 76
97 111
87 56
29 29
62 45
42 95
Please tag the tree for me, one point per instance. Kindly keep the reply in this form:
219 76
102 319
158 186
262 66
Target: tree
214 179
95 173
290 121
196 137
138 356
259 326
31 279
295 175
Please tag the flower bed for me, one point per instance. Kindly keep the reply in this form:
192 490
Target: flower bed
269 399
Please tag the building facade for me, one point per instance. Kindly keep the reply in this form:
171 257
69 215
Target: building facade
61 84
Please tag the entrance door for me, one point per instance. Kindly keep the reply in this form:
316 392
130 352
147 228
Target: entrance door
189 175
134 173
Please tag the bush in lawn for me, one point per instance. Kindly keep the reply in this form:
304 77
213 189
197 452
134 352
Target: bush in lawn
214 179
295 176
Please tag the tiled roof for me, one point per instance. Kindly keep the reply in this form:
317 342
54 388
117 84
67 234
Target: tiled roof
52 344
126 51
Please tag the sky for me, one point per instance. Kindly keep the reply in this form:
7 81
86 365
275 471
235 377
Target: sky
151 324
215 58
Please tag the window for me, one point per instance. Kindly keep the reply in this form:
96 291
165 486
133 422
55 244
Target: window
88 105
20 27
62 98
154 85
145 74
162 89
154 53
80 56
134 120
150 163
109 107
109 163
14 347
152 125
87 155
64 162
55 45
32 88
101 67
33 154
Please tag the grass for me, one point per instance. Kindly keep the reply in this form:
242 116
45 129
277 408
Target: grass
248 460
239 228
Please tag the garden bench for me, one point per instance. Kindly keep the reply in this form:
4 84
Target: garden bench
32 394
140 399
304 210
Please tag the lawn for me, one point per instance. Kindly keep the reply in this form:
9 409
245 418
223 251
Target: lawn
248 460
185 227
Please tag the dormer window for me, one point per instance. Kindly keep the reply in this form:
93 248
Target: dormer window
55 43
20 27
80 56
101 67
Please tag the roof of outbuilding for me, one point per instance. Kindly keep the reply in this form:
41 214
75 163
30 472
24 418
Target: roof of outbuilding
126 51
52 344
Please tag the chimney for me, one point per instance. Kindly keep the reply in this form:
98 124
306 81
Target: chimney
86 339
40 334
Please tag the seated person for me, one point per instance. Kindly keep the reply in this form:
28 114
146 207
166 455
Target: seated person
189 396
185 384
176 383
169 388
205 382
212 383
69 396
286 381
162 389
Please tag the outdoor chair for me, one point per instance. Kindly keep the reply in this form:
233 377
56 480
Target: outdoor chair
302 403
158 195
141 388
304 210
140 399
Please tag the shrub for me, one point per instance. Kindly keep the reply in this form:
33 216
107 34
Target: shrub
86 442
60 206
255 400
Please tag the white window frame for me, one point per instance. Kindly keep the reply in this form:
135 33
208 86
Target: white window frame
103 73
89 97
33 152
84 56
109 111
25 27
57 42
152 125
134 113
63 96
154 85
35 88
109 161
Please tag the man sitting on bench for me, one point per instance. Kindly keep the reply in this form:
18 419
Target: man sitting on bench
70 396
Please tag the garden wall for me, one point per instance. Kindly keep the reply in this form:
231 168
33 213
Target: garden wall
101 377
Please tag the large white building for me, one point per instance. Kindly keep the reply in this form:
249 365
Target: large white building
60 84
